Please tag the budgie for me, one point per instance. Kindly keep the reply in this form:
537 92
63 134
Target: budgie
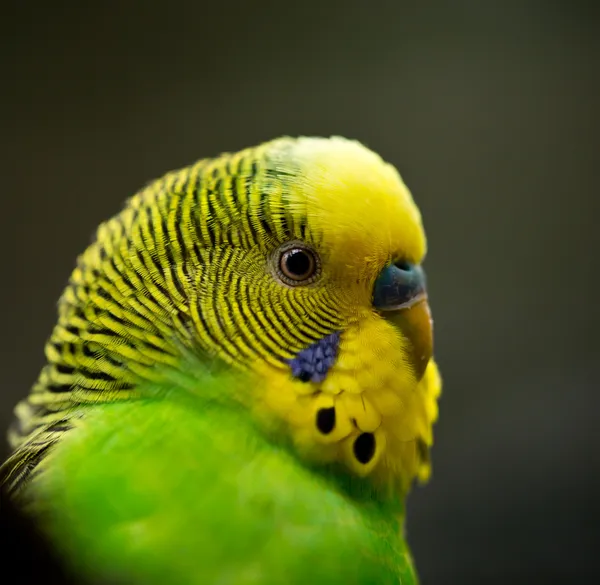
240 388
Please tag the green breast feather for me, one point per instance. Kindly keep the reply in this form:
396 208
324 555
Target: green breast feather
164 492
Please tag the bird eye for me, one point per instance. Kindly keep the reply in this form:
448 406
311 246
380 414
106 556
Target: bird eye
298 264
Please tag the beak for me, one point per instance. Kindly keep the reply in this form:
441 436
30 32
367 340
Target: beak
400 295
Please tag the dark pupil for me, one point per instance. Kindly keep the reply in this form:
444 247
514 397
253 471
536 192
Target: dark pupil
297 263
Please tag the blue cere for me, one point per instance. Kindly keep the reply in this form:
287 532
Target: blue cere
313 363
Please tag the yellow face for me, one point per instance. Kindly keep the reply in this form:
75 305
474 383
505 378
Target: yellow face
346 370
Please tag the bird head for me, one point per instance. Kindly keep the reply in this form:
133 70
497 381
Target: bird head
316 284
298 263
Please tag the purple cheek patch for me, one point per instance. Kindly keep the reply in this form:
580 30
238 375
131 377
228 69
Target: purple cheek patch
313 363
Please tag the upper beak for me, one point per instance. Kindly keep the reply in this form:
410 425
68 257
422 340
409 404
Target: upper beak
400 294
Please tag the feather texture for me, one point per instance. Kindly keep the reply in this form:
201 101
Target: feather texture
172 493
186 282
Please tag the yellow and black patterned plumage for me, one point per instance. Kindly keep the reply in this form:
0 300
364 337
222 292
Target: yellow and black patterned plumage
190 265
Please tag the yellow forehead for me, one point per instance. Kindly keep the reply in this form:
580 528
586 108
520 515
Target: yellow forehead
353 200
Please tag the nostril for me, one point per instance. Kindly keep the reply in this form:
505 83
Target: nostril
404 266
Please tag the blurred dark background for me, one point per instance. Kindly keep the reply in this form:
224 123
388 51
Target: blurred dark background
488 108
